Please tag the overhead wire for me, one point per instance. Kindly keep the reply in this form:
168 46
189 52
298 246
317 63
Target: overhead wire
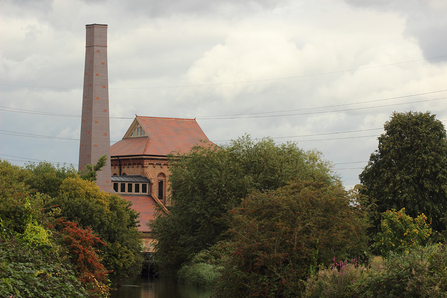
263 114
244 82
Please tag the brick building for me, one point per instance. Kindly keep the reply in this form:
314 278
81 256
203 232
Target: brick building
139 165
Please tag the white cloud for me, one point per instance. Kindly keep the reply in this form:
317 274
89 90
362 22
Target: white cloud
197 59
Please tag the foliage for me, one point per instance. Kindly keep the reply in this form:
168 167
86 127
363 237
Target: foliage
31 272
200 274
278 236
36 235
209 181
80 244
337 281
29 227
399 232
89 172
419 273
17 206
30 216
409 168
46 178
110 217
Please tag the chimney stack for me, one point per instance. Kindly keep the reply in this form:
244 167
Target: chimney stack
95 130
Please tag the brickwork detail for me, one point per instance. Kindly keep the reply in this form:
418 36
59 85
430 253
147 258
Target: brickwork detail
95 136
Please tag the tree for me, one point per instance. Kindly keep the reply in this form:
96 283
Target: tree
47 178
39 258
29 194
90 171
400 232
209 181
278 238
110 217
409 168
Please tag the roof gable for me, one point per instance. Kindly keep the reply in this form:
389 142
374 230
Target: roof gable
135 130
163 136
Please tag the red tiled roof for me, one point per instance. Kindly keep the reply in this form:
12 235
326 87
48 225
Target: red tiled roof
164 136
145 205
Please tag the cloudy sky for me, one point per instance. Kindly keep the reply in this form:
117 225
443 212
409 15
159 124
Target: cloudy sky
326 74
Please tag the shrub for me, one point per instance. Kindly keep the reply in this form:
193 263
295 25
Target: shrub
277 238
80 244
399 232
200 274
338 281
420 273
30 272
35 235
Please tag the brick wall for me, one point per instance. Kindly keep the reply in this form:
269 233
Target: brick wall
146 167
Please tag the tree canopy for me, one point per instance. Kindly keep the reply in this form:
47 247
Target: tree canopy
110 217
409 168
42 199
209 181
279 237
35 258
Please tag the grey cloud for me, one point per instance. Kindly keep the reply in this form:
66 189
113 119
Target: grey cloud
200 7
425 22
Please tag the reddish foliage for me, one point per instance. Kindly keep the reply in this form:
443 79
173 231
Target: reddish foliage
80 243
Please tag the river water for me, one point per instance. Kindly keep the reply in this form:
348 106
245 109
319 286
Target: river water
144 287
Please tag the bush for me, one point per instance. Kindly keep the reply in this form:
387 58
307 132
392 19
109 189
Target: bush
279 237
422 272
338 281
30 272
399 232
111 218
200 274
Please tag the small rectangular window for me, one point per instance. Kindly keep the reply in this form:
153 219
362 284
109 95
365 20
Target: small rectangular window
115 186
129 187
123 187
144 188
137 188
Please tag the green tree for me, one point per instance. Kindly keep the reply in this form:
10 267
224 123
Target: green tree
278 238
18 207
90 171
409 168
110 217
36 260
47 178
209 181
399 232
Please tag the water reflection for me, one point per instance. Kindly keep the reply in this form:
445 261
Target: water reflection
143 287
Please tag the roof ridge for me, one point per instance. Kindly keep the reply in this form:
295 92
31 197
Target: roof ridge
166 118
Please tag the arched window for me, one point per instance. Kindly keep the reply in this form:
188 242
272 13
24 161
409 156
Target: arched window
161 186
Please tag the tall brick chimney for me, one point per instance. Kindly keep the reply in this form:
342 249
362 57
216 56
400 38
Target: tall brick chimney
95 130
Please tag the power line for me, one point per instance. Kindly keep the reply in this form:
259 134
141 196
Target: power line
28 159
21 134
247 82
348 162
318 112
30 135
260 114
338 105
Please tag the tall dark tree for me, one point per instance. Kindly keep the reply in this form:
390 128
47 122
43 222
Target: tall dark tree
278 238
209 181
409 168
